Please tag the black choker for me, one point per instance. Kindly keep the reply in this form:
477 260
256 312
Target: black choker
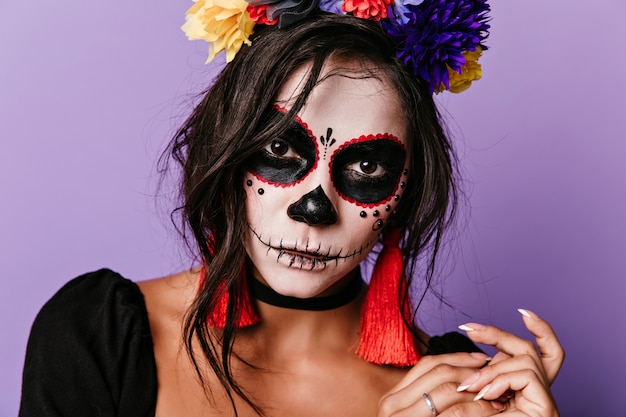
264 293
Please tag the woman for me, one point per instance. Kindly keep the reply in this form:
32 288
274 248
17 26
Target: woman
313 145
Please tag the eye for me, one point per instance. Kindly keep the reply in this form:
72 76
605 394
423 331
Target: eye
280 148
288 155
368 168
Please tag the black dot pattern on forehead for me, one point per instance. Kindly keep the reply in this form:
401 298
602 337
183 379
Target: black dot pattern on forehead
387 207
261 191
376 213
378 225
363 214
249 183
396 197
402 184
327 141
405 172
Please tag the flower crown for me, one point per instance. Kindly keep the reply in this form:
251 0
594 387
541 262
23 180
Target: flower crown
439 41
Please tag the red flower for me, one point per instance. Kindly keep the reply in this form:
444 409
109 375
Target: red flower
367 9
258 14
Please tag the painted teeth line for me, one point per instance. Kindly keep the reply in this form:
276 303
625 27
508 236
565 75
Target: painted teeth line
314 262
306 251
316 252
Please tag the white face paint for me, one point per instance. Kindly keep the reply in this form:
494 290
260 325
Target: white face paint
317 198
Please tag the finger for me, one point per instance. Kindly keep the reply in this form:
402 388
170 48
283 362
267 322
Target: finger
504 341
441 382
471 408
426 363
513 413
531 395
551 350
498 357
425 403
479 379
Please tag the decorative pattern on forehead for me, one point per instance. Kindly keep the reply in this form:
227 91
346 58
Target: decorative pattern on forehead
300 155
356 186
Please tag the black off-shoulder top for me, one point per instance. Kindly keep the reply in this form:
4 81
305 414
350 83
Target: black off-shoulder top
90 352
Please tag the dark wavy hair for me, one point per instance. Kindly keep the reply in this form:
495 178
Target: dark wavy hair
226 129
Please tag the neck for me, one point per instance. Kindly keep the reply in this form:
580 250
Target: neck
284 331
348 290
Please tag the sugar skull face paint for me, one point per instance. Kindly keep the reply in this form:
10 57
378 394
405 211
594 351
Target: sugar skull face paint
289 158
330 182
367 170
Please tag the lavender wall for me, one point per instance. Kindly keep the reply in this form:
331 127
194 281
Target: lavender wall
90 92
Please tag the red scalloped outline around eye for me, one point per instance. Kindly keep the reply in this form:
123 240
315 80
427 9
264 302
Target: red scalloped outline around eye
364 138
317 153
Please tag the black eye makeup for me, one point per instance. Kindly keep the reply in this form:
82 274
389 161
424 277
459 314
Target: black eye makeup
367 170
287 159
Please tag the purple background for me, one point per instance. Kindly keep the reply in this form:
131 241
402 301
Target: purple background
91 91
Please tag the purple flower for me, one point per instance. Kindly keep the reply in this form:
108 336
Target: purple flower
435 35
401 9
287 12
332 6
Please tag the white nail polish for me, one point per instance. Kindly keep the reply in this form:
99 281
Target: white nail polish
482 392
462 388
466 328
524 313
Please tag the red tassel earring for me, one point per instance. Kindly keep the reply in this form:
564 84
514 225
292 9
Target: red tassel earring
245 315
385 339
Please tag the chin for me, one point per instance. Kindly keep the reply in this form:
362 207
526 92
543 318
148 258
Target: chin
294 282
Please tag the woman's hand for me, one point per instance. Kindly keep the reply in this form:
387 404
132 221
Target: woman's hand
520 370
430 388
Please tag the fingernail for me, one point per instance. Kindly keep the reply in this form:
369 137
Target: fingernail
467 382
482 392
498 406
524 313
470 327
481 356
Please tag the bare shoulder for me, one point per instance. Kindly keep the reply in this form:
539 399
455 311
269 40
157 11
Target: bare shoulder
170 295
167 301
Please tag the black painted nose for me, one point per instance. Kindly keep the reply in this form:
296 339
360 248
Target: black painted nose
314 209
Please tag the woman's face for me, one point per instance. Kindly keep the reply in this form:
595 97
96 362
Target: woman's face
318 196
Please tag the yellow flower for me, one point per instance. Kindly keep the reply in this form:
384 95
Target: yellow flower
471 71
224 24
